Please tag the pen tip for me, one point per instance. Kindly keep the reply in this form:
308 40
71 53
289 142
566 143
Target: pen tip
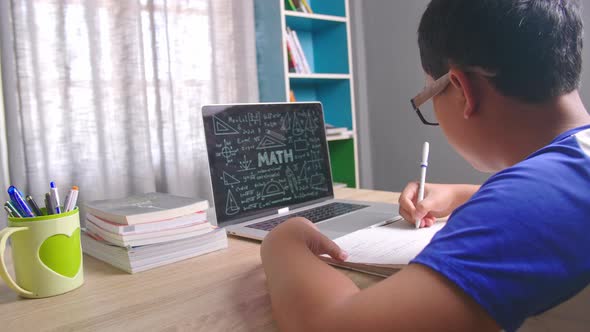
52 184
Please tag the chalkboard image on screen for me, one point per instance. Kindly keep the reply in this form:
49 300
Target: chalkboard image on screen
263 157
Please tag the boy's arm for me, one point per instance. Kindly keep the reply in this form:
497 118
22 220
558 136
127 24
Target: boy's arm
309 295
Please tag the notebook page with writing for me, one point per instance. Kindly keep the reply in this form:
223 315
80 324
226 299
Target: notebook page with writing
394 244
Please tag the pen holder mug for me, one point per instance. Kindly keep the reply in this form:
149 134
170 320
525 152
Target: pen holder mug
46 254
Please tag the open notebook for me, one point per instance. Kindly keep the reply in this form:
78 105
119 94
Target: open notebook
384 250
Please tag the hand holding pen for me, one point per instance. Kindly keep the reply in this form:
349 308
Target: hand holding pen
411 201
423 168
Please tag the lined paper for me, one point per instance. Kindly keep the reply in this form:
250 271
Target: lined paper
394 244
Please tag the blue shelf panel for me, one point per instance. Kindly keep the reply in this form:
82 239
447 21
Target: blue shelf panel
333 94
305 22
326 50
328 7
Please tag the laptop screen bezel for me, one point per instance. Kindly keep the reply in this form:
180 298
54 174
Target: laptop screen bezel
213 109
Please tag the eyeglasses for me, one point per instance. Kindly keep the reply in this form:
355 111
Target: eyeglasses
437 87
430 91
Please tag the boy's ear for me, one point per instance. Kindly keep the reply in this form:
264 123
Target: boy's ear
465 87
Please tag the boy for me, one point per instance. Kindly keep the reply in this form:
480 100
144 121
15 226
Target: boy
503 78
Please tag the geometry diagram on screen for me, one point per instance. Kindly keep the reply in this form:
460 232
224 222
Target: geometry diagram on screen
276 135
269 142
286 125
318 182
303 174
301 145
220 127
292 180
229 180
272 188
297 127
315 154
254 119
246 165
311 125
314 165
231 205
227 152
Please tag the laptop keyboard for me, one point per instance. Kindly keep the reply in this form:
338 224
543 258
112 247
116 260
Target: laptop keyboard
315 215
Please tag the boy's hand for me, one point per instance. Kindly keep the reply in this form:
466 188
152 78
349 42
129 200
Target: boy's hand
439 201
304 231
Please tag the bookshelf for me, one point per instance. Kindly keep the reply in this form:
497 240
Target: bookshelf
325 40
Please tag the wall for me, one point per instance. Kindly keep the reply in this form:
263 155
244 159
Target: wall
390 73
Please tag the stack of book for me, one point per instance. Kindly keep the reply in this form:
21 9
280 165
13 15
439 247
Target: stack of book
295 55
141 232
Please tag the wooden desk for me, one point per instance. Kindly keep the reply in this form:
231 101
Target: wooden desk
222 291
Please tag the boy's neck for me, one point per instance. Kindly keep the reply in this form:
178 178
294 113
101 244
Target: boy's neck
534 126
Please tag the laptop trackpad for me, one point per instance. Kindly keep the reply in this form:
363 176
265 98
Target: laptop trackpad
353 222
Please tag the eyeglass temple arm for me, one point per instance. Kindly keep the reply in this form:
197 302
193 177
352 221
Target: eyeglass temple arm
437 87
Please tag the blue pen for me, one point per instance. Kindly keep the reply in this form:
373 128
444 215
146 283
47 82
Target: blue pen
54 197
14 211
16 207
20 201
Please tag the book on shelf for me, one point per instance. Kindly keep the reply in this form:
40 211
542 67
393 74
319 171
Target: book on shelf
343 136
290 5
336 185
145 208
295 53
306 6
298 6
384 250
332 130
292 98
141 258
306 68
290 60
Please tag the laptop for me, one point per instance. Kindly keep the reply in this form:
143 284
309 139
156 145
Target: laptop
269 162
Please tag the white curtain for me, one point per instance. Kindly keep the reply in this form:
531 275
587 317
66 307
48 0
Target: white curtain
106 95
4 176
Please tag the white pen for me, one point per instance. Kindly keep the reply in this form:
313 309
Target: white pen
73 197
54 197
423 167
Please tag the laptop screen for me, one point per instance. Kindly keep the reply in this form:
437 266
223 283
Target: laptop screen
263 157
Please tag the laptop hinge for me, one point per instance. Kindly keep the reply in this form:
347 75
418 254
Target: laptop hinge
283 210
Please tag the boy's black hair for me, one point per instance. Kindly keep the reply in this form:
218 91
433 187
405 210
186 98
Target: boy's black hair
533 46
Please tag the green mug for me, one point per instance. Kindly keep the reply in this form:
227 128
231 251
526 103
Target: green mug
46 254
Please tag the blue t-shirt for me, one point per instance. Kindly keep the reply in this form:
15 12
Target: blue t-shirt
521 244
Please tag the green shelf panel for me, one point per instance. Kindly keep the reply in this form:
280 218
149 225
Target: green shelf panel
342 160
